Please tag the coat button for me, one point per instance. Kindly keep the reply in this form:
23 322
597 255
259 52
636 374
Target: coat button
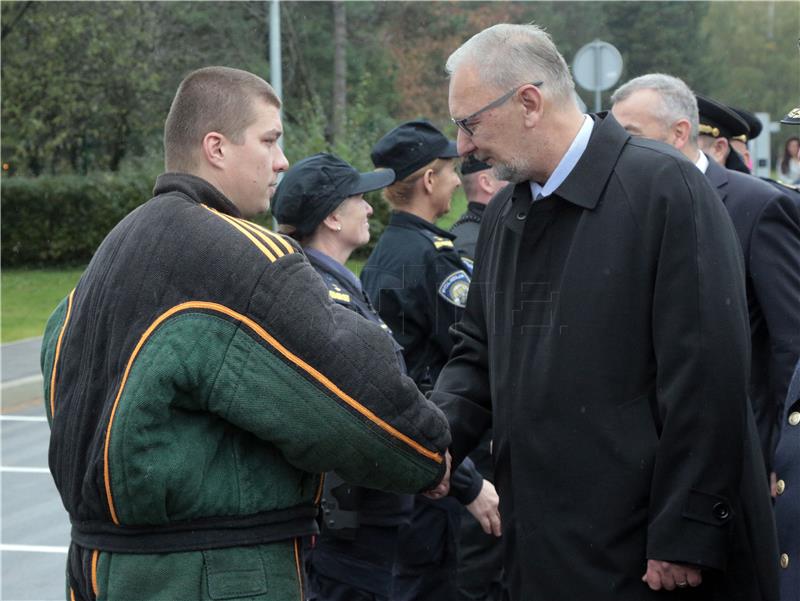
521 216
784 560
780 486
720 511
794 418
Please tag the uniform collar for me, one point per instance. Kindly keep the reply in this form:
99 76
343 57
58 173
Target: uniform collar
197 189
476 208
718 176
408 220
332 266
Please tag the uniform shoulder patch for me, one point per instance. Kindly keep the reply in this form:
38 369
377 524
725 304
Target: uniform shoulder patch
440 242
455 287
341 297
469 264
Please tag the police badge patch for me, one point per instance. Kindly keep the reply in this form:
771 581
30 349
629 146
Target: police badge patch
455 287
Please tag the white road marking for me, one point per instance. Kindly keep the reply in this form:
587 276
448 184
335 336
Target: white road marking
33 548
22 418
25 470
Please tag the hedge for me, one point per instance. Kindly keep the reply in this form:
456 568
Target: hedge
53 220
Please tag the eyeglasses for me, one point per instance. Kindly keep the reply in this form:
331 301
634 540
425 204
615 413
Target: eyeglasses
462 123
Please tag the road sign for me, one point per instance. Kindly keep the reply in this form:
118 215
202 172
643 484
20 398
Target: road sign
597 67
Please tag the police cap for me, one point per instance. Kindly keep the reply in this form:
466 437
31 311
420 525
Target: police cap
411 146
753 124
717 120
792 117
473 165
315 186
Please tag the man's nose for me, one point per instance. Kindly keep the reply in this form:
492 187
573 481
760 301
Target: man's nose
464 143
281 162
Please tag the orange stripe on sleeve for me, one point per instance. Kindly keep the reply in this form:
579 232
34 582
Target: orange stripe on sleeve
95 555
261 332
265 237
252 239
58 353
289 248
318 496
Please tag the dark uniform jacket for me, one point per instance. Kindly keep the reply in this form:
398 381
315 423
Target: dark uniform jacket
606 341
419 285
466 229
198 382
787 503
768 226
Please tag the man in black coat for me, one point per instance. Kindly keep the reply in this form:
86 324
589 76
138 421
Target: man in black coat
605 339
767 223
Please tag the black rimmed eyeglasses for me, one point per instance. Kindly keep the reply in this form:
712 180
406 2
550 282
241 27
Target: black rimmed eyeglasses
462 123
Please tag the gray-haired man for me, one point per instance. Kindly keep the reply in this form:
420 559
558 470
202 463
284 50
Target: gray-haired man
605 340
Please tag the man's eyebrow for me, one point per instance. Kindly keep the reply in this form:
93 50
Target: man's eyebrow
273 132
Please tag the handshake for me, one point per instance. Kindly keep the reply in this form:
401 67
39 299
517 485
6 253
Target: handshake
485 508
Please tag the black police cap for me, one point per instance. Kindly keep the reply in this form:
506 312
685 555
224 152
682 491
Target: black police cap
792 117
717 120
315 186
473 165
753 123
411 146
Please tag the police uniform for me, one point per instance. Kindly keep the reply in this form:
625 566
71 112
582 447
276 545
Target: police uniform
419 284
354 555
787 470
767 223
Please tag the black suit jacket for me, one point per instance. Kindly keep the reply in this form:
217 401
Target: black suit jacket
767 222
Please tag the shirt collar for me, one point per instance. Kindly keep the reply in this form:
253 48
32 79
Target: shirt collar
567 163
332 266
702 161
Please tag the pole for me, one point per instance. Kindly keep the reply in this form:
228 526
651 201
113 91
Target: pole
597 48
275 73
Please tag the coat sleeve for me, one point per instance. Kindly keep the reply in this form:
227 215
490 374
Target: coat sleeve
463 390
327 389
775 274
701 345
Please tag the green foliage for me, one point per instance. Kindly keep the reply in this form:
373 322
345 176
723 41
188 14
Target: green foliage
62 219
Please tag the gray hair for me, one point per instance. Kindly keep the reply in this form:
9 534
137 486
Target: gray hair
508 55
677 100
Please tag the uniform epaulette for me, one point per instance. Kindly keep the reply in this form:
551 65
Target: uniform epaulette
439 242
339 296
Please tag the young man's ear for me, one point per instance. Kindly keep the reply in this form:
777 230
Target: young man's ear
213 150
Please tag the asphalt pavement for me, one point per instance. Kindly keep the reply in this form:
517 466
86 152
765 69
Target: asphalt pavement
34 527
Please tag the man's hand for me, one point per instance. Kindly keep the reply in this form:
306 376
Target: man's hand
485 509
441 489
663 574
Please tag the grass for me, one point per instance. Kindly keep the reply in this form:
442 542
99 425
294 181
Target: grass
30 295
28 298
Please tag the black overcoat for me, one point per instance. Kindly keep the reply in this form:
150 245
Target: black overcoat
767 222
608 323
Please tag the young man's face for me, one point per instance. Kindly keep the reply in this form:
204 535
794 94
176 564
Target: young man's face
253 166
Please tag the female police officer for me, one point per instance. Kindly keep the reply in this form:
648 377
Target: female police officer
320 203
419 285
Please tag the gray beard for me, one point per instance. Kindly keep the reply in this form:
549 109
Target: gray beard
510 172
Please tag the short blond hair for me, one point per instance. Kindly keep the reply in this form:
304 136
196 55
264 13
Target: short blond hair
216 99
400 193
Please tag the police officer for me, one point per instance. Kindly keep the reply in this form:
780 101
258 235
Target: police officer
480 185
787 468
419 285
320 203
